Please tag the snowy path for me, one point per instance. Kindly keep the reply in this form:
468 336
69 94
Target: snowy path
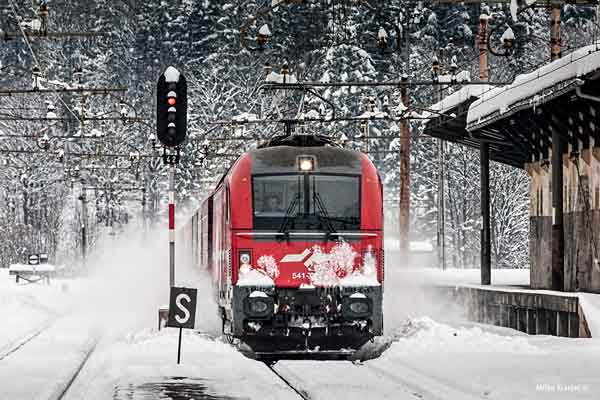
430 358
25 309
328 379
40 368
425 360
14 345
475 361
144 366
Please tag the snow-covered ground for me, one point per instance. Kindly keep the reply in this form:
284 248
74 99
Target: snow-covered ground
427 352
24 309
41 368
473 361
425 359
144 364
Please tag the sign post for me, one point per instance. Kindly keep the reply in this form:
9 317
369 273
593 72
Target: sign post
171 125
182 311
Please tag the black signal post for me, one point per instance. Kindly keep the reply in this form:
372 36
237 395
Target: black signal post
171 123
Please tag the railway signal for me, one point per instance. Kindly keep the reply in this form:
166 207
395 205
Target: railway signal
171 108
171 124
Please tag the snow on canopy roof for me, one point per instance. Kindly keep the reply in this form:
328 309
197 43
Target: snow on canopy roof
499 100
459 97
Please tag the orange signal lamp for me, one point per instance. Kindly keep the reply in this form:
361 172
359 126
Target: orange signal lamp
171 101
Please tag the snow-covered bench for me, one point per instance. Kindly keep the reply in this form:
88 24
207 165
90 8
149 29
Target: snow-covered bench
32 273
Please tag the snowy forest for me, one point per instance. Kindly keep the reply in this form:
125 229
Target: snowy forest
65 153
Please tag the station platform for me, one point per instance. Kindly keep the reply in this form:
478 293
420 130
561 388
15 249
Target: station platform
510 302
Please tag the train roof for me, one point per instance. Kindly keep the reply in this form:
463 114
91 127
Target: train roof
279 155
284 159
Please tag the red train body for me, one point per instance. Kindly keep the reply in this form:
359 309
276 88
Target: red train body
293 238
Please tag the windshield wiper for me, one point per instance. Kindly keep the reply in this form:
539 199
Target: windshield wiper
323 215
288 216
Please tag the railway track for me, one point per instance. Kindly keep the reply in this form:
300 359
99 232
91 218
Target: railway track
13 347
423 385
302 393
403 382
62 390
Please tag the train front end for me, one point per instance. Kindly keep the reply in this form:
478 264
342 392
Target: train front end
306 251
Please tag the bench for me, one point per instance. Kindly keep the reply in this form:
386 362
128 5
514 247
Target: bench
32 273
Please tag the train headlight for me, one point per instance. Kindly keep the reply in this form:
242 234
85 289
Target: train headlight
357 306
258 305
306 163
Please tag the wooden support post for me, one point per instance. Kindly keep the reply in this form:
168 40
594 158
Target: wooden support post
540 322
404 174
558 233
573 325
504 315
486 258
483 56
562 325
441 203
555 39
531 321
552 318
512 317
522 320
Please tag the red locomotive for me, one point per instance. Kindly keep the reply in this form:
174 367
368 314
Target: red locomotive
292 236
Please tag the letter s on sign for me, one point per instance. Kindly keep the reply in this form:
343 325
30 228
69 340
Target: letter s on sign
186 313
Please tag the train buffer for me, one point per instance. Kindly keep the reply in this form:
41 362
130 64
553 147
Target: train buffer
32 273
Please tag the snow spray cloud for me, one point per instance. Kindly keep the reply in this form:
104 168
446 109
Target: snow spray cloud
408 292
129 282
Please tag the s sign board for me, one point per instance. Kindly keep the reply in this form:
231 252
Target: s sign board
182 308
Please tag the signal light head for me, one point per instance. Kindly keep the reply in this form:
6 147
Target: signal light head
172 98
171 107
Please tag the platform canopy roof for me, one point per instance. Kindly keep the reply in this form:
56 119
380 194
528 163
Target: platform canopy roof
517 120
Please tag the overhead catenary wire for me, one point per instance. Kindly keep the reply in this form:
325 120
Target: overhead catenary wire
37 63
17 18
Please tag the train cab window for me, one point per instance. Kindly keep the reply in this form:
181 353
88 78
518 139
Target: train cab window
306 201
273 195
339 197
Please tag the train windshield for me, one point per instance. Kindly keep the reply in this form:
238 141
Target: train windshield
311 201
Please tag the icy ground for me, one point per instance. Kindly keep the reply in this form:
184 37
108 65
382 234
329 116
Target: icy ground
428 352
